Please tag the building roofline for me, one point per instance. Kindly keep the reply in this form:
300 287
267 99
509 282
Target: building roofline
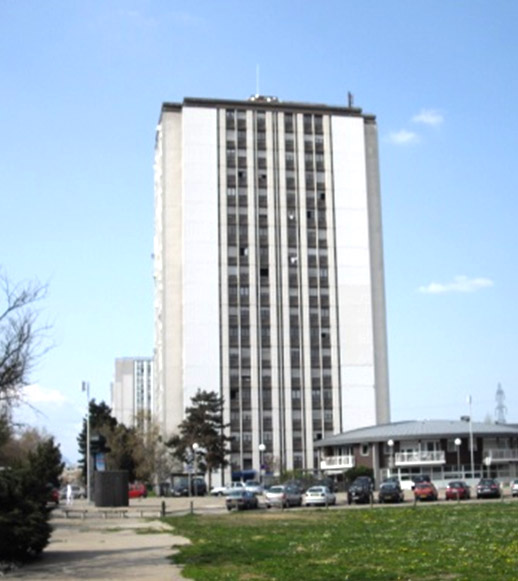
411 430
269 103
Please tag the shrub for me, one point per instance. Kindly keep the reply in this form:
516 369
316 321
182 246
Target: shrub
24 513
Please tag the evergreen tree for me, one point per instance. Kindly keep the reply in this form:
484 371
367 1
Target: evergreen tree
203 425
24 493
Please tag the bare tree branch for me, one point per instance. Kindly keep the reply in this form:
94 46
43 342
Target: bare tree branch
22 341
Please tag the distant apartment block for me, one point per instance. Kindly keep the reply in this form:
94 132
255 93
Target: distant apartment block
269 273
132 391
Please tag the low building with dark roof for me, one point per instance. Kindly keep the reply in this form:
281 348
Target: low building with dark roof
444 449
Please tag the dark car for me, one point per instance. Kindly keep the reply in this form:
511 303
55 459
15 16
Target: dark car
488 488
390 491
198 488
360 490
457 490
241 500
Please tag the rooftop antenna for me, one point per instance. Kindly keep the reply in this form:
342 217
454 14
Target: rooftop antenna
500 409
257 80
350 100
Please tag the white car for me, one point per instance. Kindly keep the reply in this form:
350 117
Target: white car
514 487
283 496
319 495
227 489
254 486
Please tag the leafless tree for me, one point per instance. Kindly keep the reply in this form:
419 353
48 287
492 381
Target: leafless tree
22 340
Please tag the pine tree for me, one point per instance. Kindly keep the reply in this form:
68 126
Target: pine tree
203 425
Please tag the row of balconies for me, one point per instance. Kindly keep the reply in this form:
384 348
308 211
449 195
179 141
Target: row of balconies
417 458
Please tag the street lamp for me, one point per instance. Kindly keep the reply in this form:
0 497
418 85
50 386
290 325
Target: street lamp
458 442
195 448
85 386
471 440
487 462
391 460
262 448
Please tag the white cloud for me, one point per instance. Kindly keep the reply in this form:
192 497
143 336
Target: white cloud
460 284
35 394
428 117
403 137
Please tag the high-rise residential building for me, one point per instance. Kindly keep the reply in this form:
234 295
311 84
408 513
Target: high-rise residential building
269 272
132 391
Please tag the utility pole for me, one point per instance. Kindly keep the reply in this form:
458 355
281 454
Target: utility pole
500 409
86 387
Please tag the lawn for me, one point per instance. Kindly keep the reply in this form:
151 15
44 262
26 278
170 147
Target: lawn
441 542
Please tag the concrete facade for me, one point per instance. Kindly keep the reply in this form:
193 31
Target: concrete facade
269 273
132 391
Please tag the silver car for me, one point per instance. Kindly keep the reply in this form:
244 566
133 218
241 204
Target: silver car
283 496
319 495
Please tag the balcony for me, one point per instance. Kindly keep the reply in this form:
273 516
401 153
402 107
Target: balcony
336 463
420 458
499 456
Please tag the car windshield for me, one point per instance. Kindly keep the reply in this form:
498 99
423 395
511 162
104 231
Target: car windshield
276 489
316 489
236 493
486 481
423 485
388 485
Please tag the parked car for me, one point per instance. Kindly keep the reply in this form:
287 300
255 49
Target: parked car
137 490
53 494
254 486
390 491
418 478
241 500
488 488
77 492
457 489
360 491
514 487
198 487
227 489
425 491
284 496
319 495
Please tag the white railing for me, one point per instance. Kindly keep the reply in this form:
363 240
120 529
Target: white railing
419 457
502 455
337 462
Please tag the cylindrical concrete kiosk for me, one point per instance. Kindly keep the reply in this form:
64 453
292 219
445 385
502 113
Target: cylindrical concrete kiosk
111 488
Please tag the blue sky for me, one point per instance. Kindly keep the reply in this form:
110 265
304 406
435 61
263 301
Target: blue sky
81 88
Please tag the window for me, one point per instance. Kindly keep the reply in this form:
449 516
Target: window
364 449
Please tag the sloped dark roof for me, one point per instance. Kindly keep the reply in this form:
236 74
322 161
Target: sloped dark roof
411 430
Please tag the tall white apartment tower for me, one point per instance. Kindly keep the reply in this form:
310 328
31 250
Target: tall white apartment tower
269 272
132 391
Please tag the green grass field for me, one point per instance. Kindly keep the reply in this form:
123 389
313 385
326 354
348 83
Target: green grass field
428 542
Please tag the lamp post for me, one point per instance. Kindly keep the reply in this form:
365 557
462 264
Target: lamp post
458 442
195 448
471 440
391 459
262 448
487 462
85 386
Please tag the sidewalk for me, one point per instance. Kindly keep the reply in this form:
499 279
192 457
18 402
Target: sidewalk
105 548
